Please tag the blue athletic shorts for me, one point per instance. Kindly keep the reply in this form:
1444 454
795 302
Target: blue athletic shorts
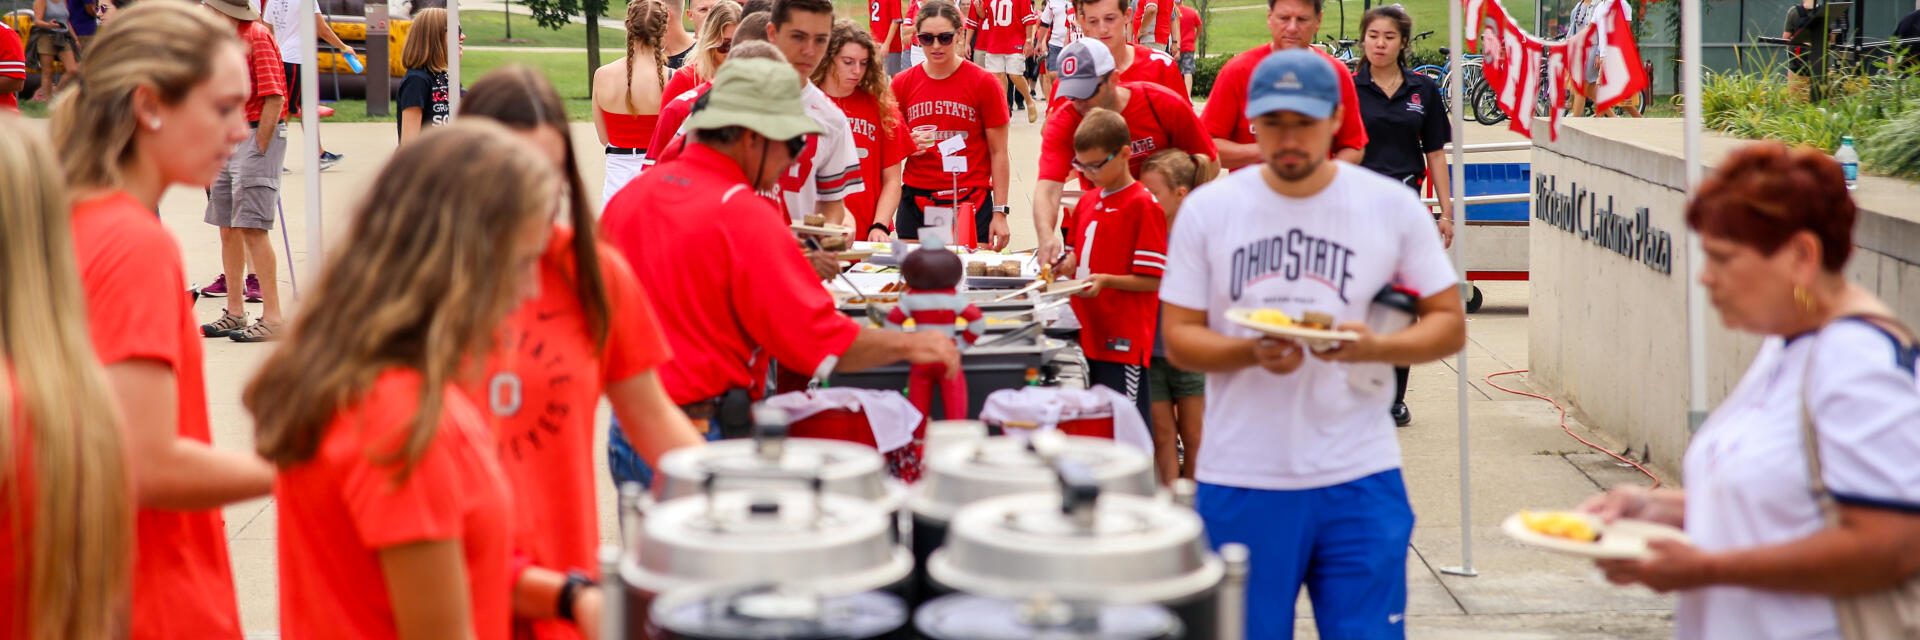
1346 543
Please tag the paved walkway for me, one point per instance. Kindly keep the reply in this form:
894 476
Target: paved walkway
1520 459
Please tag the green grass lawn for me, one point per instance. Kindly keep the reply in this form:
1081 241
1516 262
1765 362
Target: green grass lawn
567 71
1231 32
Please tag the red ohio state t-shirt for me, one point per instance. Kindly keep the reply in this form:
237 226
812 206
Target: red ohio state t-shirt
1156 120
137 309
878 147
1003 25
667 141
967 103
1226 112
341 508
1122 233
540 392
881 15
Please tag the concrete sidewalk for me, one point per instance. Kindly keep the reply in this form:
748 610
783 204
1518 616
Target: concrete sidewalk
1521 458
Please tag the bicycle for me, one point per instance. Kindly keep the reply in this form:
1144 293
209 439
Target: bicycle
1342 50
1470 65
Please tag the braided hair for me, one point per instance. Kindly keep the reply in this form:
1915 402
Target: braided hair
646 25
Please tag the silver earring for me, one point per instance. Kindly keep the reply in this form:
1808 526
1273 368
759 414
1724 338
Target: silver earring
154 124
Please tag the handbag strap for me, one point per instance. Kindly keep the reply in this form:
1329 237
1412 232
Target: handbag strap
1809 432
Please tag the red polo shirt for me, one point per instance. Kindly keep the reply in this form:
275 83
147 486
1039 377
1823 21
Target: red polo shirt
725 274
268 76
1225 114
1156 119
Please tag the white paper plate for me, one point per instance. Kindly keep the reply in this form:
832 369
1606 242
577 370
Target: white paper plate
1066 287
1240 317
823 230
1622 540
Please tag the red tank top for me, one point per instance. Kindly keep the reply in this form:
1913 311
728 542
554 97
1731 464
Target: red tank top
629 131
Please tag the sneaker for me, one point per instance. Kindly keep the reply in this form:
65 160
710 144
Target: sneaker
216 290
253 288
327 160
1402 416
259 331
225 326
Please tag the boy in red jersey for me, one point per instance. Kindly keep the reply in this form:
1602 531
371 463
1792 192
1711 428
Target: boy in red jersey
1120 249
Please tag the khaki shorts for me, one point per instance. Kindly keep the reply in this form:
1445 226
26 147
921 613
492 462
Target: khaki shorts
1012 64
1166 384
246 193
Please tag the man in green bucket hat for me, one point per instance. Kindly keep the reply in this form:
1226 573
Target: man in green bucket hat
720 264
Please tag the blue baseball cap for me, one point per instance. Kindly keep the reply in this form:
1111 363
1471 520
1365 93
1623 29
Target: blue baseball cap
1294 80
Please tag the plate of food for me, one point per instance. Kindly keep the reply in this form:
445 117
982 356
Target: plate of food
1276 323
816 225
1584 535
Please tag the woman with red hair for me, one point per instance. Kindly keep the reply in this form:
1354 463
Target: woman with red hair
1801 486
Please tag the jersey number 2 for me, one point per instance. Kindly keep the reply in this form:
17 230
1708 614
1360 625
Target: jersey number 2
876 11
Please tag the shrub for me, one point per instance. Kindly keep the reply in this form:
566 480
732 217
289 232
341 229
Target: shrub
1895 148
1881 111
1205 70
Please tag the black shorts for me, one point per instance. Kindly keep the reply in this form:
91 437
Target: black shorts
293 88
907 221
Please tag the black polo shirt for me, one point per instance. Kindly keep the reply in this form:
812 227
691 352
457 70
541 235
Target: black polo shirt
1404 127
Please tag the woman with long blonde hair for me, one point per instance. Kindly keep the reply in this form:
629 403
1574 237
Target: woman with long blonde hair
424 91
593 322
716 41
163 104
854 76
625 112
65 494
395 517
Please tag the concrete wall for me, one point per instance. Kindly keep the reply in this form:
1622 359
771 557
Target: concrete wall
1607 332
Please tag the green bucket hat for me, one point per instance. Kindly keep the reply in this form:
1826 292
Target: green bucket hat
758 94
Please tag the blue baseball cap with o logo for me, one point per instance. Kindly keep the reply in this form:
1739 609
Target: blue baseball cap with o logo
1294 80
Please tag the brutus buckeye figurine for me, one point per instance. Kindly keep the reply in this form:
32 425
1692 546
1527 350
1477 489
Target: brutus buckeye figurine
932 299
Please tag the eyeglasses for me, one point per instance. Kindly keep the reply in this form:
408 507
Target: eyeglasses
927 39
724 47
1094 167
795 145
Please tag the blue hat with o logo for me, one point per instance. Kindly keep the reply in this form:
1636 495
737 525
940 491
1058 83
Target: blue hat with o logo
1294 80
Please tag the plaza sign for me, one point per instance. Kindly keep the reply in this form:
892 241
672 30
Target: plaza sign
1579 212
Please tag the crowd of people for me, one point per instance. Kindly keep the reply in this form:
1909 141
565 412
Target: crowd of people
430 449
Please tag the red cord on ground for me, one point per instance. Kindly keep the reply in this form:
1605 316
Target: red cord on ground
1563 423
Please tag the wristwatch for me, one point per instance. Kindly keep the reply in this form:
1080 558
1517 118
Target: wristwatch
563 605
1003 209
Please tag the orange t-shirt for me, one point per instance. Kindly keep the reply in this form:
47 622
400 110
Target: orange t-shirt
137 308
542 388
16 511
339 509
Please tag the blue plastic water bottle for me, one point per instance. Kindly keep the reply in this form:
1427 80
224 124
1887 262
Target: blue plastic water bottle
353 62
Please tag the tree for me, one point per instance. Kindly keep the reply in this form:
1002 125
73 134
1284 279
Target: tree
554 14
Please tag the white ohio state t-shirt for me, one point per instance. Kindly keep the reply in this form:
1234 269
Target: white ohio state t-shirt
1238 244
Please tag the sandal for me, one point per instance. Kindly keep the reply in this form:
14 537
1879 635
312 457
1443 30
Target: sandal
226 326
259 331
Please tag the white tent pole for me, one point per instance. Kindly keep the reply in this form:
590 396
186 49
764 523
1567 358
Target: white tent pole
453 59
310 135
1458 172
1696 295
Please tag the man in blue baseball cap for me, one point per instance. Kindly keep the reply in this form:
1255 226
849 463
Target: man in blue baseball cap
1301 463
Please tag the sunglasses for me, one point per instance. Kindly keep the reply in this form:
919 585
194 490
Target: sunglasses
795 145
724 47
927 39
1094 167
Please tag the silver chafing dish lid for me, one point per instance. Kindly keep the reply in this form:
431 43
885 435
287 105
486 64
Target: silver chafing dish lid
831 544
970 617
975 470
770 458
1092 548
776 612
